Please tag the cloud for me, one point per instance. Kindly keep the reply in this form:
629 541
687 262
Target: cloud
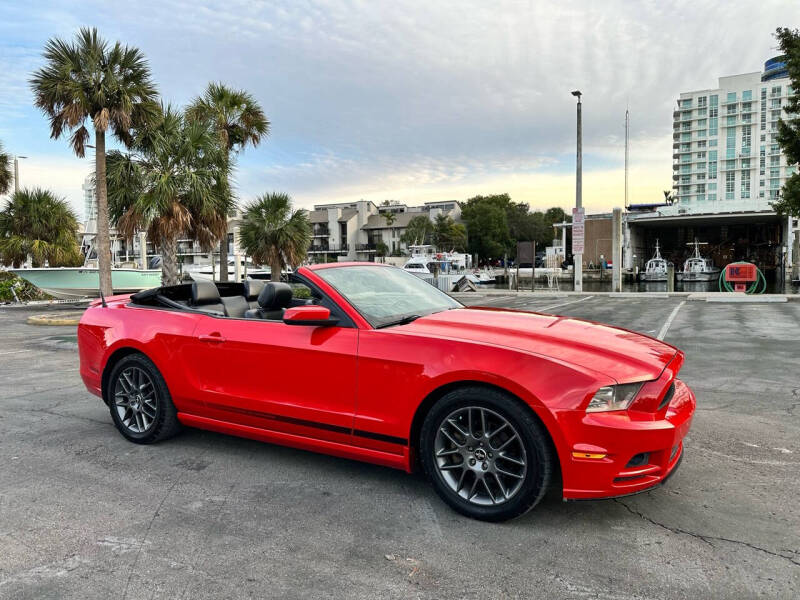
427 99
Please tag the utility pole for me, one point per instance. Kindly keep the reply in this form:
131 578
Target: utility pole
16 172
627 130
577 259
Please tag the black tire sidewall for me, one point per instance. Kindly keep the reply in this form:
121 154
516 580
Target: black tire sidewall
163 400
534 438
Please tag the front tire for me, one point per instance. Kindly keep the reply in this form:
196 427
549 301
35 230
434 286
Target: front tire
139 400
486 454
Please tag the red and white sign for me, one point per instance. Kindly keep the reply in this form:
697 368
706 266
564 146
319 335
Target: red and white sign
578 234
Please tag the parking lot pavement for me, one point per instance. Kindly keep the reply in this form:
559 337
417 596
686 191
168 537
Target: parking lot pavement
85 514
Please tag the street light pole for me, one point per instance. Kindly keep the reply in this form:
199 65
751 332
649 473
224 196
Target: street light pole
16 172
577 259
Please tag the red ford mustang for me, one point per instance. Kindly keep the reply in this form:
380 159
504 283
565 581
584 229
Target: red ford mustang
369 362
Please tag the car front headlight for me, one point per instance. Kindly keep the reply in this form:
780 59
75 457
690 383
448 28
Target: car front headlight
614 397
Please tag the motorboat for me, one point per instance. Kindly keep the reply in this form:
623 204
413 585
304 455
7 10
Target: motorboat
656 267
697 268
72 283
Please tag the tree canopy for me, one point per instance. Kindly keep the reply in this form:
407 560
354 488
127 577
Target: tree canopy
274 233
789 128
39 224
108 85
494 224
174 183
418 231
6 177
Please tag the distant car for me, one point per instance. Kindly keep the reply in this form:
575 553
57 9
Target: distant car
366 361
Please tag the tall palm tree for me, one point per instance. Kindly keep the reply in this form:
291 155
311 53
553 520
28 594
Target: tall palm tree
239 121
272 233
6 176
39 224
109 85
172 184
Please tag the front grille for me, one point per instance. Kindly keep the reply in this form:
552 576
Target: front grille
667 397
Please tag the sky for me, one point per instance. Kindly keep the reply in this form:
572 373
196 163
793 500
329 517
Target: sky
412 100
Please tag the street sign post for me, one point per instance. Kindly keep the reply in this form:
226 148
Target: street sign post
578 232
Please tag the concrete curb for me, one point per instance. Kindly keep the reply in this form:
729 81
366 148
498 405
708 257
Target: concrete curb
741 298
71 319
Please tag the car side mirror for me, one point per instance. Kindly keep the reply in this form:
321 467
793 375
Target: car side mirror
316 316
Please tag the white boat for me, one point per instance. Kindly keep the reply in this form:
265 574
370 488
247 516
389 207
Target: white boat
246 269
697 268
656 267
67 283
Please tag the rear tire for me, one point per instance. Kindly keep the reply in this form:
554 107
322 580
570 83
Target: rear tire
139 401
486 454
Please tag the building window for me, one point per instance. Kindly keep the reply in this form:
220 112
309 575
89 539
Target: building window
712 156
731 109
701 112
731 121
701 101
701 155
730 164
713 100
731 96
701 133
730 183
776 91
746 138
747 95
712 170
713 143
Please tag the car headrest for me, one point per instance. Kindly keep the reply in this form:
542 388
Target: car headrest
252 288
275 295
204 292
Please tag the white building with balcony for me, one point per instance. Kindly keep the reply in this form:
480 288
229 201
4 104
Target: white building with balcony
727 169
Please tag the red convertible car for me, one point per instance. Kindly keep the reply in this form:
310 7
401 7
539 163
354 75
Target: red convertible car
369 362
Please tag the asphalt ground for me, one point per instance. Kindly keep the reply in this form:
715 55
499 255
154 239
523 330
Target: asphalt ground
85 514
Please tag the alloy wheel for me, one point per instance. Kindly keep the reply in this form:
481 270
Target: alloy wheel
480 456
135 400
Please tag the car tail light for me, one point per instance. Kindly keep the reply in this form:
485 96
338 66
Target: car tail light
614 397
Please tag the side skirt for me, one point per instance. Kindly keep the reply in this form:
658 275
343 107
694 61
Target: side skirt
387 459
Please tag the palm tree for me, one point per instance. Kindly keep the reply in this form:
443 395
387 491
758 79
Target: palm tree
173 184
669 197
5 171
239 121
111 86
272 233
39 224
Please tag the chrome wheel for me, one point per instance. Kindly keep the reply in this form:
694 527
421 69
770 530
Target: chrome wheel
480 456
135 400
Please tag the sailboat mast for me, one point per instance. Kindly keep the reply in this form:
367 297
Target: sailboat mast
627 127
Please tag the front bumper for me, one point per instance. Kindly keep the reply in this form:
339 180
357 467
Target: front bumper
624 452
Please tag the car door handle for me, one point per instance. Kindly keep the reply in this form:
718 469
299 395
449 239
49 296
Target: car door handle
213 338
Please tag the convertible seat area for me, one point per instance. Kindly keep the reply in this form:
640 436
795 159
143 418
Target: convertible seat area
252 288
235 306
272 302
205 297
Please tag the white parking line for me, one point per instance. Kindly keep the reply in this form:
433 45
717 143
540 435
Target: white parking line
563 304
13 352
669 320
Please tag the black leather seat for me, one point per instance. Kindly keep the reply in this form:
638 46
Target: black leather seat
252 288
235 306
272 301
205 297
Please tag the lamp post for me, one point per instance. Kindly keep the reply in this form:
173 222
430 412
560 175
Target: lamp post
577 259
16 172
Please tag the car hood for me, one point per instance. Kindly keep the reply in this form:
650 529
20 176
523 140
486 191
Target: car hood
624 355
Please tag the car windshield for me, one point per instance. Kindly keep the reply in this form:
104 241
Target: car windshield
385 295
